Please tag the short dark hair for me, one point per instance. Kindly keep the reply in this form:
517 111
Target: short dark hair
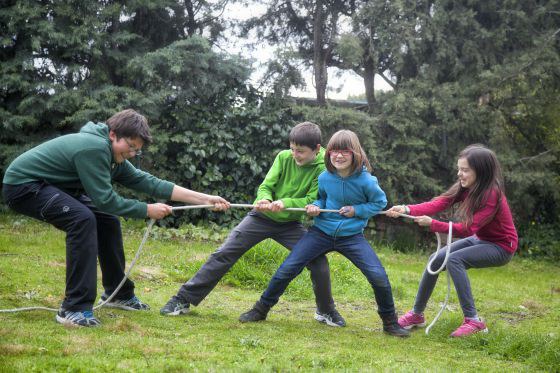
129 123
306 134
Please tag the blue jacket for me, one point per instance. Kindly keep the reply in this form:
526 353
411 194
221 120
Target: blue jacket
359 190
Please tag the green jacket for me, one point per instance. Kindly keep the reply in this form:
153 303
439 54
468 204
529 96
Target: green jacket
294 185
85 161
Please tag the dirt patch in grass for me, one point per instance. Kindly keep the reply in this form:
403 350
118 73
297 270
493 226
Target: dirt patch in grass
14 349
528 309
56 264
149 273
126 325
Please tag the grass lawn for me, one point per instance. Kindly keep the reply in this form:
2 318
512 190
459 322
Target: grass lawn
520 302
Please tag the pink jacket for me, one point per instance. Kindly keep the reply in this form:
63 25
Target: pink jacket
500 230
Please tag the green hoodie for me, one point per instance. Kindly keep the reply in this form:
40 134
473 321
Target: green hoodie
294 185
85 160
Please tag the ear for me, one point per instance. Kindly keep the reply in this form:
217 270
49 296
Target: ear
318 148
112 135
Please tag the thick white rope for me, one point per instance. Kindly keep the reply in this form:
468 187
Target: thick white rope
441 268
140 248
190 207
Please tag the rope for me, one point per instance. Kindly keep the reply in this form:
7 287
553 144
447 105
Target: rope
443 265
101 304
441 268
140 248
238 205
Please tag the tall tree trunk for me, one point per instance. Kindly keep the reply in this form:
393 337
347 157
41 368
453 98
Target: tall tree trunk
319 57
369 83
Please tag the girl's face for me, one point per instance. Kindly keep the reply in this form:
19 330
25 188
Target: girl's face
342 161
466 175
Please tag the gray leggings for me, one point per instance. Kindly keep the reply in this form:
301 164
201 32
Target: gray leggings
467 253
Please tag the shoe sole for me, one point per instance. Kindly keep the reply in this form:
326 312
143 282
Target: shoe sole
175 313
408 327
324 320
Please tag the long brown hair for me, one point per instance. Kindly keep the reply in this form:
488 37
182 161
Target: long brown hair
347 140
488 173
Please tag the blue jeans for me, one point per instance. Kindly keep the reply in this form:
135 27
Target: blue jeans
315 243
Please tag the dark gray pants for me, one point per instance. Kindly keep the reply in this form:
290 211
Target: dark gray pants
253 229
467 253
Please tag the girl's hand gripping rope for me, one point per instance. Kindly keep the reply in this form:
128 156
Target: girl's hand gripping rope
312 210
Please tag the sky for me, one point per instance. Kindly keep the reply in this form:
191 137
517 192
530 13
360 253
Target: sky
340 84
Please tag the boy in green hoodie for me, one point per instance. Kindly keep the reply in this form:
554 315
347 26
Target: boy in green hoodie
290 182
67 182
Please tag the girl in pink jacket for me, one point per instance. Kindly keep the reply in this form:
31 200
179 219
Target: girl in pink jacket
490 238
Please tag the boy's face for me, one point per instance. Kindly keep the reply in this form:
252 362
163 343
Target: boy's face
125 148
302 154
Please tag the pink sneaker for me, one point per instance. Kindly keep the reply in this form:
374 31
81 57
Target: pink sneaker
411 320
470 327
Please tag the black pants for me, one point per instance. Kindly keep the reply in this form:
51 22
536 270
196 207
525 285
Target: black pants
90 233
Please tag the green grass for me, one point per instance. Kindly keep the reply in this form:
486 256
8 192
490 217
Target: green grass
520 302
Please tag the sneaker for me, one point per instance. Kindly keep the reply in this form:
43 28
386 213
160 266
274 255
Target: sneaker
257 313
411 320
174 307
76 318
332 318
469 327
132 304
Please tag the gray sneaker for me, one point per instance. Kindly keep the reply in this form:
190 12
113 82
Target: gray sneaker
175 307
132 304
332 318
76 318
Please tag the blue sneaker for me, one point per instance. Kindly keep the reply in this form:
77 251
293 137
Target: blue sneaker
132 304
76 318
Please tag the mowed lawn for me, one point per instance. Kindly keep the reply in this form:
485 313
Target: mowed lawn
520 302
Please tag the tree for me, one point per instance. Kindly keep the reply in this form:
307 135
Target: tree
310 26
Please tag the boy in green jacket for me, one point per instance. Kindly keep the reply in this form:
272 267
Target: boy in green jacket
67 181
290 182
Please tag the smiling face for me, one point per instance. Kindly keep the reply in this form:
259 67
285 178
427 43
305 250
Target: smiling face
466 175
342 161
303 154
124 148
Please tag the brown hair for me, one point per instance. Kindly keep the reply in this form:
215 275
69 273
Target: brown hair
488 173
306 134
129 123
347 140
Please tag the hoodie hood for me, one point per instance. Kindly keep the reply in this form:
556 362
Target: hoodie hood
98 129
